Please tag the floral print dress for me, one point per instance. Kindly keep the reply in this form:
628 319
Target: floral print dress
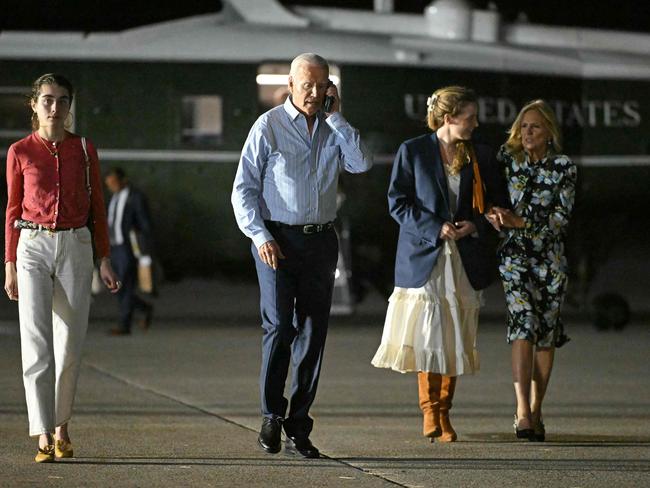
533 266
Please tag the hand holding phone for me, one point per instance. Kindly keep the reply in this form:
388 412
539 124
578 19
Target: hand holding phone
329 101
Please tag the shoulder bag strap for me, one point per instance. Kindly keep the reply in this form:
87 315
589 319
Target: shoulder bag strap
478 190
89 188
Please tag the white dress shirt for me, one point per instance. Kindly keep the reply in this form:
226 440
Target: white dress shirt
115 215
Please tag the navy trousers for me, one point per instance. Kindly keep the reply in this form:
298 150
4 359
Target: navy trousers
295 302
126 268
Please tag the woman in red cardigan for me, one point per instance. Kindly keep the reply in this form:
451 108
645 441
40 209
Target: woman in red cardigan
54 189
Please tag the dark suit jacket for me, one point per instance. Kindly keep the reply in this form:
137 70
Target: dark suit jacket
136 218
418 201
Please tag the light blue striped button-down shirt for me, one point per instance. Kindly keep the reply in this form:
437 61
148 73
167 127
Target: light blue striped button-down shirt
287 176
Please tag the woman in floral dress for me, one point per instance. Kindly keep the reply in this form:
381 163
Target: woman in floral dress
541 183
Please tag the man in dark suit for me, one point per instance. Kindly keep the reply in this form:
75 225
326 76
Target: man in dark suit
128 216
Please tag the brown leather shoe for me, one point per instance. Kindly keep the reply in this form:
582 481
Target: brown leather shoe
447 390
429 396
145 322
118 331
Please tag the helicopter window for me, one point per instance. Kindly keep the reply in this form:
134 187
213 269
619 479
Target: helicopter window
14 113
272 85
202 120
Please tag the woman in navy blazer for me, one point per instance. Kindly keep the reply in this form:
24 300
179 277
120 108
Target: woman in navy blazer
440 187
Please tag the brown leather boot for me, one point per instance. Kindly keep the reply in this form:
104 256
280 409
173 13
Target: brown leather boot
447 389
429 393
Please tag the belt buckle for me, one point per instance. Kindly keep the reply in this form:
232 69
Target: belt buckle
310 229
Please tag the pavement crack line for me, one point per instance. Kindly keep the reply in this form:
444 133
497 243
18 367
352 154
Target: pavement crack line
169 397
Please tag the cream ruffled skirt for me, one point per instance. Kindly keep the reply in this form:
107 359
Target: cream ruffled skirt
433 328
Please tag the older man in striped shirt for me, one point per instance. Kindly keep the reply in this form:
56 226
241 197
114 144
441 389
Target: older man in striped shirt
284 198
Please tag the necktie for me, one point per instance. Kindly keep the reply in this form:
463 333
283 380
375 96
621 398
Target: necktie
111 219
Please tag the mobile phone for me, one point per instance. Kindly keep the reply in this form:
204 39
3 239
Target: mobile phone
329 101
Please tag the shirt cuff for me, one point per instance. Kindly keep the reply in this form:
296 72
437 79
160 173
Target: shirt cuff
337 121
261 238
144 261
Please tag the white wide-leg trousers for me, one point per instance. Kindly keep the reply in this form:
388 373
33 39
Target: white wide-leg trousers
54 278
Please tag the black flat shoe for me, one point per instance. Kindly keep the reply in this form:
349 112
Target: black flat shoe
301 446
270 435
523 433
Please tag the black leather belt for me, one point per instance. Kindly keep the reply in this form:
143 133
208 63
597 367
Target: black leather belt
304 229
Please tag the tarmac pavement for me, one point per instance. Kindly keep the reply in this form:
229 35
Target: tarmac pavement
179 406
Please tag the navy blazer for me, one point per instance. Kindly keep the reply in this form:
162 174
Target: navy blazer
418 200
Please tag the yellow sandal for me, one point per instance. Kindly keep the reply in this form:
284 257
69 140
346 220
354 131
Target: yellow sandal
45 454
63 449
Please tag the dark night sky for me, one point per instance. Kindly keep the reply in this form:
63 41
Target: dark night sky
111 15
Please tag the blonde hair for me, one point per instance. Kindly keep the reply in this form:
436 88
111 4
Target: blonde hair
514 145
451 100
